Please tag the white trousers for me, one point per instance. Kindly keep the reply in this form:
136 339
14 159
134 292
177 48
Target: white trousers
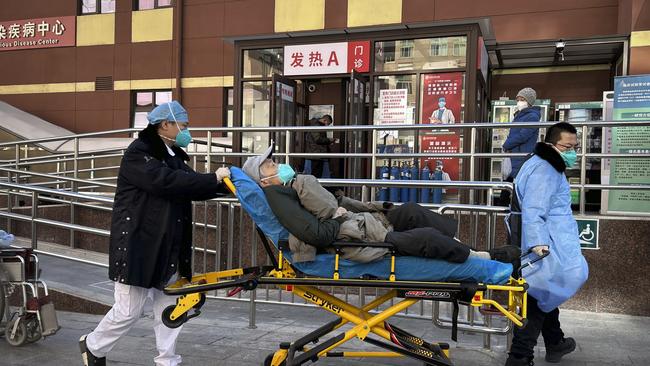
128 308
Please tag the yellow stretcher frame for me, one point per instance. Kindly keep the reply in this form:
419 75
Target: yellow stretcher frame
397 342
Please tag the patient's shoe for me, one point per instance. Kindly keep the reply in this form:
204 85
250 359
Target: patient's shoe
516 361
554 353
507 254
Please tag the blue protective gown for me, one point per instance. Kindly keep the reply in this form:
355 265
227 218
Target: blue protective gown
547 219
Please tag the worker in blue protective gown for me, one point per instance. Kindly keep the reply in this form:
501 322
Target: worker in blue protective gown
547 224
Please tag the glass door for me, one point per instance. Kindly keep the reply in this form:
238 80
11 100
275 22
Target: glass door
283 111
356 141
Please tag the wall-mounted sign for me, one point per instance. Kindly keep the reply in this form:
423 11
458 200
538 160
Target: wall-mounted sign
631 103
588 233
37 33
392 106
327 58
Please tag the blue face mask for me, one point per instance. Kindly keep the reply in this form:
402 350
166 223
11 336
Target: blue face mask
285 173
441 104
570 157
183 137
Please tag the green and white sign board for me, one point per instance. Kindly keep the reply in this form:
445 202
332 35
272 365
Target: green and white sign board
632 103
588 233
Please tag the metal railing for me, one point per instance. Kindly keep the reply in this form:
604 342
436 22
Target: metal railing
469 130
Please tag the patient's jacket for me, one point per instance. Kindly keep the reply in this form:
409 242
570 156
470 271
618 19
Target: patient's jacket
368 226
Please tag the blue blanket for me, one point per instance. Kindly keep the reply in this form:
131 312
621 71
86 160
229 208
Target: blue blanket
254 202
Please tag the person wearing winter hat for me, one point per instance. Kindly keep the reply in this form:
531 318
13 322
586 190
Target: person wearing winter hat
521 140
151 231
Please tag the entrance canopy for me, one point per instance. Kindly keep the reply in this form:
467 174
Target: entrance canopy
586 51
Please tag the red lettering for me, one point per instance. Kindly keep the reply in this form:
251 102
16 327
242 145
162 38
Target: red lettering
333 59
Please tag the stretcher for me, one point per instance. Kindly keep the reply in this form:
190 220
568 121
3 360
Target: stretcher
404 280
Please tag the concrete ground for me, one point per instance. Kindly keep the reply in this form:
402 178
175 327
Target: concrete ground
220 336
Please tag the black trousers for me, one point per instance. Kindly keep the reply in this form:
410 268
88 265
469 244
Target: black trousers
420 232
317 168
524 340
504 197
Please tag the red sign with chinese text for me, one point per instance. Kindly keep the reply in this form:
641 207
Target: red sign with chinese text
38 33
447 142
448 86
359 56
327 58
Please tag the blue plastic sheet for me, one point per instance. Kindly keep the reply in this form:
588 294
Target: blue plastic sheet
406 268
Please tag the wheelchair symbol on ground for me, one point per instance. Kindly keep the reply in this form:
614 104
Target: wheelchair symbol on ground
588 233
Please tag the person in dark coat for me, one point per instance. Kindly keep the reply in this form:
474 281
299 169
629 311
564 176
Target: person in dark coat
151 231
317 142
521 140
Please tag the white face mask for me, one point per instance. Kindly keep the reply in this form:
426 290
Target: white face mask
522 104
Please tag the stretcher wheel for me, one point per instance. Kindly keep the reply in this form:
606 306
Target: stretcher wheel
20 337
166 317
269 359
33 330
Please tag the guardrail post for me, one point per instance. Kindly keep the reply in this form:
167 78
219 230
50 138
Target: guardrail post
583 168
74 188
472 151
34 216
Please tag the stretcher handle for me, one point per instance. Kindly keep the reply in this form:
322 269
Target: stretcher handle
230 185
545 254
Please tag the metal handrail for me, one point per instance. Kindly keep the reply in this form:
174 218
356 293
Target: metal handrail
467 125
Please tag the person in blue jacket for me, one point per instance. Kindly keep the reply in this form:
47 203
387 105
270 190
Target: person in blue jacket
521 140
547 224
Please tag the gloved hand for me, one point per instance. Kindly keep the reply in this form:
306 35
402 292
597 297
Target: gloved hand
540 250
339 212
222 173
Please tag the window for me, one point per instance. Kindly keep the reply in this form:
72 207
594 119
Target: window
408 85
438 47
97 6
421 54
152 4
263 63
406 50
144 102
229 103
460 48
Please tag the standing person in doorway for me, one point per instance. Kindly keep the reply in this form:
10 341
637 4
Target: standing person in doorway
521 140
151 231
547 224
318 142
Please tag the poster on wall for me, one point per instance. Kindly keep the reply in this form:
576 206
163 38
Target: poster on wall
631 102
445 142
441 98
392 106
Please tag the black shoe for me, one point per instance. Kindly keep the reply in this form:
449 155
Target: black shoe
507 254
554 353
516 361
88 358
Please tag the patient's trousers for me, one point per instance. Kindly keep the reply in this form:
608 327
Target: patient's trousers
420 232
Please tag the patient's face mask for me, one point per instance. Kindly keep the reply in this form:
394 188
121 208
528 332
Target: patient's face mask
285 174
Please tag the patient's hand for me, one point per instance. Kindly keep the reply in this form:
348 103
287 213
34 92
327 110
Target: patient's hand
222 173
339 212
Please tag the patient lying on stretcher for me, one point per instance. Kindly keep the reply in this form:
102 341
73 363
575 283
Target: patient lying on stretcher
315 219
